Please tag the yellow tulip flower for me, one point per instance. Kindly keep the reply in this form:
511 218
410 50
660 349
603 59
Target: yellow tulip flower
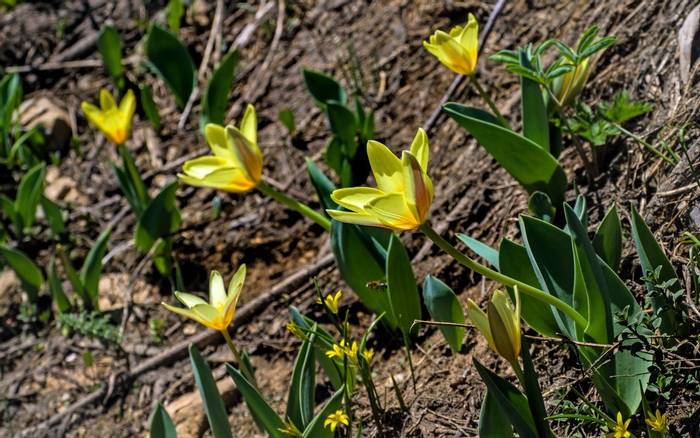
216 314
404 190
113 120
237 163
568 86
458 50
338 418
501 325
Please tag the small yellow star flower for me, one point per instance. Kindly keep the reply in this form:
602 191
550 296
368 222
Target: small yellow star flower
332 301
368 355
619 429
658 422
337 352
404 190
237 163
458 50
218 313
113 120
338 418
294 329
290 429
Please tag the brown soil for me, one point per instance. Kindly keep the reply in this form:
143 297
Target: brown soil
41 371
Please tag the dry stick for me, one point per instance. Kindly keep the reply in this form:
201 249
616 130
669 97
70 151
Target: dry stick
201 340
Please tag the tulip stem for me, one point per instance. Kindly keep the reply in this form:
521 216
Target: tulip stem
295 205
242 365
484 95
534 292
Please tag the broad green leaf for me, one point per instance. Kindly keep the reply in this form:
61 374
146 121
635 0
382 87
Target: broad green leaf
162 425
550 252
109 43
483 250
651 257
131 183
513 404
533 392
271 422
315 429
92 267
322 343
323 88
149 106
160 219
211 399
302 389
29 193
362 266
28 272
170 60
334 155
443 305
322 184
588 274
516 264
533 167
53 216
342 124
401 286
58 295
534 111
492 423
215 97
608 239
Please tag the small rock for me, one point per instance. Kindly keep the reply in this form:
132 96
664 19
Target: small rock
689 43
50 117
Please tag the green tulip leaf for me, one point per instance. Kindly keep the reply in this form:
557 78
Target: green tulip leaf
109 43
512 403
162 425
215 97
160 219
342 124
53 215
322 184
170 60
92 268
29 194
211 399
323 88
260 408
316 429
443 305
533 392
533 167
401 286
608 239
58 295
483 250
491 420
149 106
29 274
534 111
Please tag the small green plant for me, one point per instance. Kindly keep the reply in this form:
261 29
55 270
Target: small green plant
91 324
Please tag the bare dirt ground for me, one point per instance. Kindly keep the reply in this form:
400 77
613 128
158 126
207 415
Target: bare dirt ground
41 371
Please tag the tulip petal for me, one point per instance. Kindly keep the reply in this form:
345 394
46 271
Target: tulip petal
93 114
229 179
392 211
106 100
187 313
217 291
469 37
201 167
416 195
211 317
420 148
247 153
249 124
355 198
355 218
386 167
216 139
189 300
127 108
